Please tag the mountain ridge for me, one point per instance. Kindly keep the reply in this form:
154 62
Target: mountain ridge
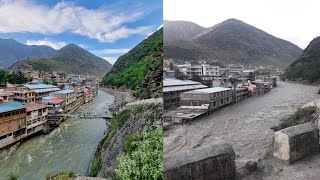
307 66
235 42
69 59
12 51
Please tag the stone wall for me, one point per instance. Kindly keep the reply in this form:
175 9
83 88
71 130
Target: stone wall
209 162
296 142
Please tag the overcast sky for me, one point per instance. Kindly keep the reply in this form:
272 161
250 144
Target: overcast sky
294 20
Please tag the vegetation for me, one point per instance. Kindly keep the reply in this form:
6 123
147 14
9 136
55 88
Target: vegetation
95 167
143 158
12 77
307 67
13 177
131 69
62 176
302 115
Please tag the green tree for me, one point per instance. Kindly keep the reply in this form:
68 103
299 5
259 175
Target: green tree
3 77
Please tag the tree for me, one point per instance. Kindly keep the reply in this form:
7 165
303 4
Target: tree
196 77
3 77
179 75
17 78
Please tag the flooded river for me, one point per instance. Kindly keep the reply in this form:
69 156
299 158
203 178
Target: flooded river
69 147
245 125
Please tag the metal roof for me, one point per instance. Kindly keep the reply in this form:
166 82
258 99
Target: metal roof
10 106
46 90
177 82
209 90
52 99
181 88
39 86
66 91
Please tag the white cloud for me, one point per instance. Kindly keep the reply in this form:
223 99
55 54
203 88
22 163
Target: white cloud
112 51
294 20
111 60
54 44
105 25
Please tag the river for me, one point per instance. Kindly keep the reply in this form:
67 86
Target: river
245 125
69 147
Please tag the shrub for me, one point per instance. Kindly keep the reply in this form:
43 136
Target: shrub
95 167
146 161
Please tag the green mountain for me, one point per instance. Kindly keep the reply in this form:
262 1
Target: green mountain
140 69
235 42
12 51
307 66
70 59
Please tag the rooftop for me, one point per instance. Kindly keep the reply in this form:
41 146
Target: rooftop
177 82
66 91
35 106
186 87
39 86
208 90
47 90
10 106
52 99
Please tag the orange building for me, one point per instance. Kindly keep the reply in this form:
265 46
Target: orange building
12 122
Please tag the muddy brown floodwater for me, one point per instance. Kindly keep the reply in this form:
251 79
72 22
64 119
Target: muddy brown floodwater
245 125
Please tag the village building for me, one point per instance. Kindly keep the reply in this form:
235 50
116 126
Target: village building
12 123
173 87
24 96
208 98
260 86
5 96
37 116
252 88
55 106
41 90
69 96
205 71
241 93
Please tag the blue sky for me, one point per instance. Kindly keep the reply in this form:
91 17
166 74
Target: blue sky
107 28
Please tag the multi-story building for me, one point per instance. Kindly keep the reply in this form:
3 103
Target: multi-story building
241 93
37 116
69 96
208 98
24 96
12 122
41 90
55 106
205 71
172 89
4 96
233 68
252 88
87 95
260 86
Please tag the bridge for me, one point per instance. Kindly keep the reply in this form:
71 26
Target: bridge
86 115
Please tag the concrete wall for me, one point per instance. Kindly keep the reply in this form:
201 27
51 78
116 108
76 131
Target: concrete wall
210 162
296 142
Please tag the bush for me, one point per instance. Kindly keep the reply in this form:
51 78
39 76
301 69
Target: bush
13 177
95 167
146 161
302 115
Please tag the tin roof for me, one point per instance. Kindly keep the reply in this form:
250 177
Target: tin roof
52 99
209 90
10 106
39 86
177 82
35 106
66 91
47 90
181 88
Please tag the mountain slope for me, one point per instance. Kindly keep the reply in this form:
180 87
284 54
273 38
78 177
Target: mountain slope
69 59
235 42
307 66
12 51
141 68
181 30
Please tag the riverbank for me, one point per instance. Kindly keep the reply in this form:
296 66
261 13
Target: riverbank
244 125
120 95
68 147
